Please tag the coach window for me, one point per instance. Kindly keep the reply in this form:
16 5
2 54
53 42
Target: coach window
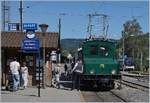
93 50
103 51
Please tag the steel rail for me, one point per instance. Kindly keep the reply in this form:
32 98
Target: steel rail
118 96
93 94
134 85
138 77
114 94
129 75
83 99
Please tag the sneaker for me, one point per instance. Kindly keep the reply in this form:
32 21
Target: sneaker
13 90
58 86
21 88
24 87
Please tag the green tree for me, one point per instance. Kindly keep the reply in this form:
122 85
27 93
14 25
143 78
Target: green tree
135 42
130 32
65 53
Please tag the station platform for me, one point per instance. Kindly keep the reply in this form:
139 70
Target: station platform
47 95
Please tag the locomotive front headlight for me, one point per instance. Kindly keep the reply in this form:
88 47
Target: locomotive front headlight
113 72
92 72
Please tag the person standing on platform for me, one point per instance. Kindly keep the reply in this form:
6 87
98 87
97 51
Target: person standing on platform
57 75
53 72
66 69
14 68
24 73
76 72
56 78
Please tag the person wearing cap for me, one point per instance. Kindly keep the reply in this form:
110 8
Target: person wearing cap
14 68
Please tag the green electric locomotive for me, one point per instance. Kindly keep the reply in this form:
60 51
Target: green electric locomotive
100 66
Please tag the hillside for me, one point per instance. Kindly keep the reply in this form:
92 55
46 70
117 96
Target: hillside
71 43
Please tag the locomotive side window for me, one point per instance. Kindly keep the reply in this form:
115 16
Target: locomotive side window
93 50
103 51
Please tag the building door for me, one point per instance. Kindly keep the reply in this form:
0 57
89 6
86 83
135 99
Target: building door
33 69
39 67
30 59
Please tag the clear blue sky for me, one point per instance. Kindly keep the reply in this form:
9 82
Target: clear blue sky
74 24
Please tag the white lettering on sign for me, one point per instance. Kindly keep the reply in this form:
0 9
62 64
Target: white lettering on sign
32 26
29 25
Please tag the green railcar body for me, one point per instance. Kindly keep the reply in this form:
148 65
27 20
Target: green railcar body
99 60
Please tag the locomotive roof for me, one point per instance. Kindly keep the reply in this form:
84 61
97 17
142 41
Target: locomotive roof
105 40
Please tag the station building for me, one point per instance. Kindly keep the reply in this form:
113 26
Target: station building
11 47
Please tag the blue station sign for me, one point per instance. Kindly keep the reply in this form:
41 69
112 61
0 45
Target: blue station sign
13 26
29 26
31 45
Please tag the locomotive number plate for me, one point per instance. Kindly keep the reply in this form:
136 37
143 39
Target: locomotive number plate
101 65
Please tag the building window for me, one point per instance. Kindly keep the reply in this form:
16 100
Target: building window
93 50
103 51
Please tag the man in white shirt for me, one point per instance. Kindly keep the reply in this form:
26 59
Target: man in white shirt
14 67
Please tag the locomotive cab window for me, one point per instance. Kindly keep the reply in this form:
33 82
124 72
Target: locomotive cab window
103 51
93 50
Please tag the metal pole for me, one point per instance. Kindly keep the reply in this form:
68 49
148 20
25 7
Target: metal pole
39 75
123 50
120 86
90 25
103 20
44 60
59 55
3 15
21 16
141 61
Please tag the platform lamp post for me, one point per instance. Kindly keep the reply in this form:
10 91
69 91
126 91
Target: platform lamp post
123 45
123 66
43 29
123 35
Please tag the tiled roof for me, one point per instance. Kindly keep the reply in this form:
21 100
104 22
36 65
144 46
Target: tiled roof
14 39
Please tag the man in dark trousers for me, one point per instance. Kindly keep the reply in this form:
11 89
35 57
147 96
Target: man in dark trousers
66 69
76 72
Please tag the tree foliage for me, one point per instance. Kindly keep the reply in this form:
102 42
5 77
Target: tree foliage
65 53
136 43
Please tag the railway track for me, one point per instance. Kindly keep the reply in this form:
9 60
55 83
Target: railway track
105 96
134 85
142 78
112 96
